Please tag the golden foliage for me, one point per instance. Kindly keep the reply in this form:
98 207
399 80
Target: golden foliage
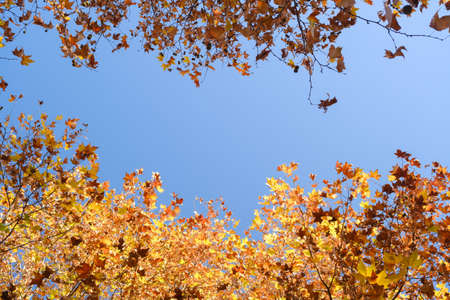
64 234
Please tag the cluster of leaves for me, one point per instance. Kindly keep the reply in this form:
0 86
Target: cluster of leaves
191 35
64 234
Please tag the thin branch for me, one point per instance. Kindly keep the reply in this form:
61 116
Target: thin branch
8 58
398 292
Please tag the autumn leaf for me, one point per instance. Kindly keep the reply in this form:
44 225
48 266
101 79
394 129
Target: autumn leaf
346 3
3 84
398 52
26 60
83 270
72 123
263 55
325 104
334 52
40 276
440 23
340 66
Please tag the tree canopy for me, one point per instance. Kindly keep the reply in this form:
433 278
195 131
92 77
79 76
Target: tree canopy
64 234
190 36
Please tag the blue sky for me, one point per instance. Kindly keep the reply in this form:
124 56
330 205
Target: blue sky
226 137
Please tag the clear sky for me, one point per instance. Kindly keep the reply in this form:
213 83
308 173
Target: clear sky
226 137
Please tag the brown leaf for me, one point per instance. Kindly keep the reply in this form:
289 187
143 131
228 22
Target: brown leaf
340 64
75 240
324 104
18 52
3 85
121 244
142 252
39 277
407 9
83 270
346 3
263 55
402 154
440 23
98 262
133 259
217 33
413 2
398 52
334 52
394 24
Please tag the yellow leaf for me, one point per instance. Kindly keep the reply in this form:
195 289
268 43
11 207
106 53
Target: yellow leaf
391 178
26 60
414 260
433 228
382 279
59 118
257 221
15 157
389 258
269 238
442 290
228 25
364 204
362 269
